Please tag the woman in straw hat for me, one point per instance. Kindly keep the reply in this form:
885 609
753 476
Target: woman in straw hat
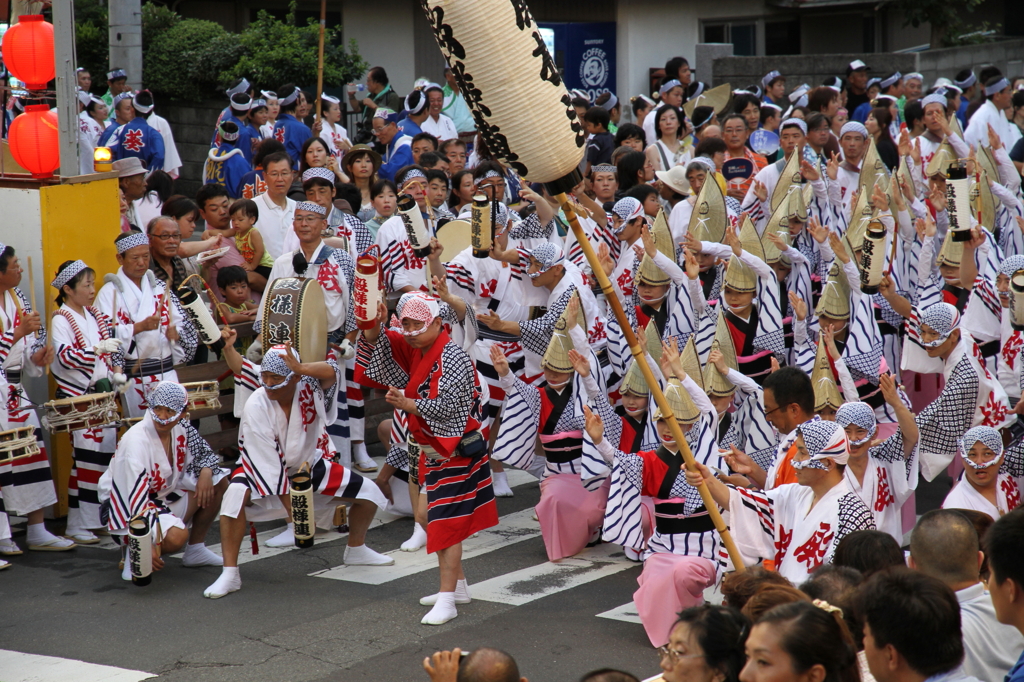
680 558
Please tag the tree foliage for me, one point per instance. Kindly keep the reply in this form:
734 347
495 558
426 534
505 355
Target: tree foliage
278 52
945 18
193 59
185 61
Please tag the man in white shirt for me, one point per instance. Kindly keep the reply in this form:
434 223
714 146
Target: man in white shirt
436 123
276 209
998 98
945 545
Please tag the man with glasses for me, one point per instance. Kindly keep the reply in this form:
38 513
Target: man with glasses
164 240
397 145
276 209
154 331
735 133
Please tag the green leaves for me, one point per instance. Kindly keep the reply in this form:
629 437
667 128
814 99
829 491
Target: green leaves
276 52
185 61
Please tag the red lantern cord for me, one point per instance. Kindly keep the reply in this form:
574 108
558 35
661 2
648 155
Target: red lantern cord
28 51
35 142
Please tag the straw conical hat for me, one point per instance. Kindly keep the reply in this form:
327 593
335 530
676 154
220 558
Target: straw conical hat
872 170
860 217
982 201
634 381
772 254
790 176
653 340
715 384
738 275
951 252
954 126
691 362
648 272
709 216
749 239
826 393
680 402
903 171
944 156
835 295
556 357
718 98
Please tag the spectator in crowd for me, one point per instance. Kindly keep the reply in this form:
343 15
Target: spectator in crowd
165 263
289 129
384 200
159 188
381 96
600 144
276 209
397 145
455 152
911 628
436 123
361 165
1004 547
117 83
945 546
416 112
422 143
869 551
131 178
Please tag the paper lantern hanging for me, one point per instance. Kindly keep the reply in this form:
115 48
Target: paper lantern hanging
511 84
28 51
34 140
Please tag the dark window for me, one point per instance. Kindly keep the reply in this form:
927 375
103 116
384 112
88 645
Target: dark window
715 33
782 37
744 39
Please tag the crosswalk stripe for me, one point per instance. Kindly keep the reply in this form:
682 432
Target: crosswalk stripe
322 536
516 478
529 584
626 613
511 529
19 667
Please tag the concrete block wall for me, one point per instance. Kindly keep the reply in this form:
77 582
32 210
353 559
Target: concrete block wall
193 126
811 69
1007 55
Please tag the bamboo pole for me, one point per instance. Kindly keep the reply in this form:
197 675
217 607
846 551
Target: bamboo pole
320 60
652 382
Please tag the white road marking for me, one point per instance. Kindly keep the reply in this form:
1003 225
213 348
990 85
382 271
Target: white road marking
511 529
626 613
19 667
529 584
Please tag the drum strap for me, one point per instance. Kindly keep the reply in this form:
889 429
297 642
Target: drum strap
149 367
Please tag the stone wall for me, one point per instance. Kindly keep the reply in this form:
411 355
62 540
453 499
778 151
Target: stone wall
193 126
811 69
740 72
1007 55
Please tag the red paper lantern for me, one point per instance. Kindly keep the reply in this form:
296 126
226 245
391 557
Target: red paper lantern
34 141
28 51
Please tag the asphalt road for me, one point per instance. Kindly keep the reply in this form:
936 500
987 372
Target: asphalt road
288 625
299 617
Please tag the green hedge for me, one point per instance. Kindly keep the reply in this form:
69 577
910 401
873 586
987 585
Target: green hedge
192 59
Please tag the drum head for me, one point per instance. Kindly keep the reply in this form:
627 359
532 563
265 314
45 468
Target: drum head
294 310
455 236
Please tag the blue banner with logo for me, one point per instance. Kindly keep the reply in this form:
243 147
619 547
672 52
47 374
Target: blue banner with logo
585 52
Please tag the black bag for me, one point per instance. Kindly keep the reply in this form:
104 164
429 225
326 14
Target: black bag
472 445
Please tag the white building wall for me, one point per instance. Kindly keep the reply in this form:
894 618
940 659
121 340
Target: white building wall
652 31
384 32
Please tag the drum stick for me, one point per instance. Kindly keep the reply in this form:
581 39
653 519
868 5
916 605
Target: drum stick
32 294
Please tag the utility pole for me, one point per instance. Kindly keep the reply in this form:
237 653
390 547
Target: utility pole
67 80
125 18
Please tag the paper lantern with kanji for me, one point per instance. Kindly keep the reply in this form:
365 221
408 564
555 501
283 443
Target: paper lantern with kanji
34 141
28 51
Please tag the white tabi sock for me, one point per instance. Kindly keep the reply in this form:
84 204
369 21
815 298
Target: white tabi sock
228 582
417 541
501 487
462 595
126 572
359 454
364 556
41 539
444 610
200 555
285 538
